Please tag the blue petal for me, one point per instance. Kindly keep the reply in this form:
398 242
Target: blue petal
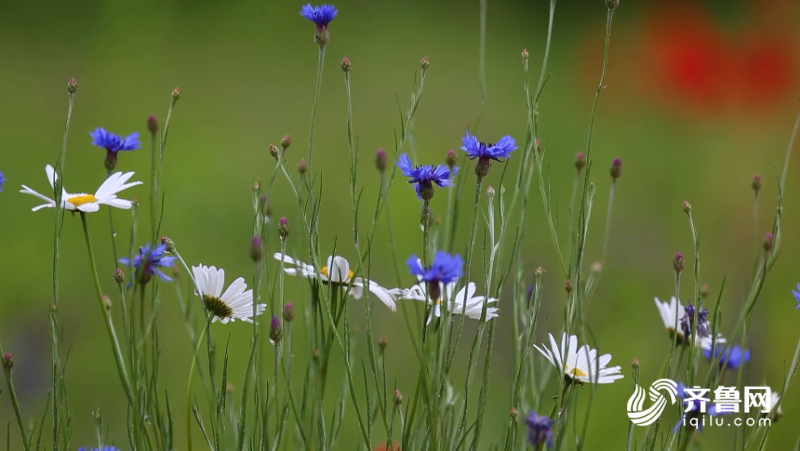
404 163
414 266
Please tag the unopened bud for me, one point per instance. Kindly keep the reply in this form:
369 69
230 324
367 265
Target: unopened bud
302 167
96 414
580 161
424 63
273 151
346 65
382 343
275 332
451 159
539 272
704 290
769 242
678 263
513 413
490 192
152 123
525 54
8 362
687 207
288 312
119 276
256 251
176 94
756 183
612 4
283 228
229 387
286 141
168 242
635 363
176 272
539 146
269 205
72 86
380 160
596 268
107 302
568 286
616 168
398 398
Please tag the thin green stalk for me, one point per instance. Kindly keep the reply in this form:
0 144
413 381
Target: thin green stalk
320 63
14 403
189 387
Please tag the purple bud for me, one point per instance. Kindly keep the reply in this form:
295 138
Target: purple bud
756 183
616 168
769 242
288 312
256 251
451 159
283 228
380 160
72 86
580 161
678 263
152 123
8 362
346 64
424 63
275 333
302 167
286 141
176 94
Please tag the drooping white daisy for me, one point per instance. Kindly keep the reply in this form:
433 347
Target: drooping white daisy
455 302
106 194
235 303
337 271
673 314
579 365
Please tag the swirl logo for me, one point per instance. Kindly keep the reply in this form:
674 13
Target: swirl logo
646 417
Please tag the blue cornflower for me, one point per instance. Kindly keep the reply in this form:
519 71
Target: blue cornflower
693 407
321 16
445 268
539 430
2 180
688 320
113 143
485 152
425 176
732 357
795 293
147 262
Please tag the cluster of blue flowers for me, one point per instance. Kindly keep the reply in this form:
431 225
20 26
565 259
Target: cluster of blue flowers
147 262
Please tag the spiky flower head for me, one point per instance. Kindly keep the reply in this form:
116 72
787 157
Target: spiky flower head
539 430
321 16
485 152
426 176
147 262
616 168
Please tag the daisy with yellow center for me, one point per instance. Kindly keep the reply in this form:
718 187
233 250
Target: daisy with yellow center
235 303
337 271
106 194
579 365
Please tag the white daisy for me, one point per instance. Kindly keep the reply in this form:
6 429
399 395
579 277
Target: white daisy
235 303
474 304
106 194
579 365
337 271
672 322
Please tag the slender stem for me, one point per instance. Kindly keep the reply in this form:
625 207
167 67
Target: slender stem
189 387
112 335
320 62
15 404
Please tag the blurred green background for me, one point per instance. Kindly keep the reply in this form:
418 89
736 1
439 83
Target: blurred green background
699 97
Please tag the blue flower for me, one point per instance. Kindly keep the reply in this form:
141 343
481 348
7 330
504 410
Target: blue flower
795 293
539 430
425 176
485 152
732 357
446 268
2 180
693 408
147 263
114 143
688 320
320 15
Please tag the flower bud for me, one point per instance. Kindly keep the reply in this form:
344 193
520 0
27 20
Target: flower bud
256 251
176 94
8 362
273 151
568 286
398 398
110 162
616 168
635 363
596 268
769 242
678 263
539 146
288 312
382 343
704 290
119 276
687 207
490 192
283 228
756 183
612 4
275 332
513 413
286 141
539 272
302 167
424 63
169 243
580 161
269 205
346 65
107 302
525 54
72 86
451 159
229 387
176 272
152 123
380 160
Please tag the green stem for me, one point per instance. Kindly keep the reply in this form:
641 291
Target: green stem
189 388
15 404
320 62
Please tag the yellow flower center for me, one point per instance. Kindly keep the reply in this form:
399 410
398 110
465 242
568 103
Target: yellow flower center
576 372
437 302
77 201
324 272
217 306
